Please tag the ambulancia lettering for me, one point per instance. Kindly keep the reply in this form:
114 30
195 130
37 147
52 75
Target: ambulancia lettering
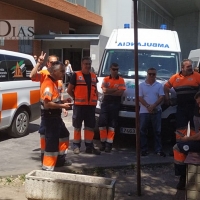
144 44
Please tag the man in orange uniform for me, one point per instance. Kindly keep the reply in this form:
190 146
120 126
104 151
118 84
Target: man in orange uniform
39 76
55 130
82 89
186 145
113 87
186 84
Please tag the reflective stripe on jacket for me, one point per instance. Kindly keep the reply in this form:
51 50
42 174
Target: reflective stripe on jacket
81 90
185 86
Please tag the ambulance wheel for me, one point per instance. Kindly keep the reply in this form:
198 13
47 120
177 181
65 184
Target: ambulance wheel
19 126
96 129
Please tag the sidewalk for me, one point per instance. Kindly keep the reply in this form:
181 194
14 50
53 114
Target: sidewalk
157 173
123 154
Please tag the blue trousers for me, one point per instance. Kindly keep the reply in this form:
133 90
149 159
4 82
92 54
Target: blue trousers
155 119
109 114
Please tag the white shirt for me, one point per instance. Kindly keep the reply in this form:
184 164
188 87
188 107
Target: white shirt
150 93
68 69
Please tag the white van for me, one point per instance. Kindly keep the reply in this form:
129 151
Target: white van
156 48
19 96
194 55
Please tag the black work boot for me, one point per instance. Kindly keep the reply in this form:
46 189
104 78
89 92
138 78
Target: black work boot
108 147
92 150
103 146
181 183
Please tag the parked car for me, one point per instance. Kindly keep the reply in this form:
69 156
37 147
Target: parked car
19 96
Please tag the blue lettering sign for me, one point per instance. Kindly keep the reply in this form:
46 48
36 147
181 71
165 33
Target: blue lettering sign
145 44
161 45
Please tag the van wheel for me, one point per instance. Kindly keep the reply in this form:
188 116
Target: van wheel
19 126
96 129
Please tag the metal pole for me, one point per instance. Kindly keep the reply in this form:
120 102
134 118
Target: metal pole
137 98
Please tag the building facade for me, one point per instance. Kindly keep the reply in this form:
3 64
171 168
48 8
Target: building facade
72 29
60 27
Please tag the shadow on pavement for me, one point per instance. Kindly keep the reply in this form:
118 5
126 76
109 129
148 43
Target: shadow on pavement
31 129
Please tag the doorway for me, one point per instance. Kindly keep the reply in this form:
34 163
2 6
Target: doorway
74 56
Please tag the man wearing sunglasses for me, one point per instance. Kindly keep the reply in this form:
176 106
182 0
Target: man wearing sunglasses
82 88
39 76
186 84
151 95
113 87
55 142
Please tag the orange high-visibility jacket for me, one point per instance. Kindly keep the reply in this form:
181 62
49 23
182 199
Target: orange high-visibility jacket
50 90
185 86
81 90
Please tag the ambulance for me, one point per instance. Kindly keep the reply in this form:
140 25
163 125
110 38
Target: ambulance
157 48
194 55
19 96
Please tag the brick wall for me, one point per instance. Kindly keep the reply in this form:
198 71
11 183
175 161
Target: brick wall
42 25
73 9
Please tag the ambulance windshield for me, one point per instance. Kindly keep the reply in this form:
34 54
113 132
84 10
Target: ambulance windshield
166 63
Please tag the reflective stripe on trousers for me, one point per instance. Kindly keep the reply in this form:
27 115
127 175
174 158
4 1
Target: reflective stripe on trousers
55 142
77 135
88 134
107 135
179 157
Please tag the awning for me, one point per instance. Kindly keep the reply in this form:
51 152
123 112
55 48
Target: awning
67 37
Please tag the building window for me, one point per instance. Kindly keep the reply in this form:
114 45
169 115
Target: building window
25 46
91 5
152 17
1 41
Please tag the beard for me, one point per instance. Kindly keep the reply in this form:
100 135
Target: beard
189 71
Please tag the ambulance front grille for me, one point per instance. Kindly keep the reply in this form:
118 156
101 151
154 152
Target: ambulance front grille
127 108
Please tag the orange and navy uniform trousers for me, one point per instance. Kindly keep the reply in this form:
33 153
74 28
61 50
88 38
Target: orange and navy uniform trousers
110 109
186 87
55 136
40 77
181 150
85 101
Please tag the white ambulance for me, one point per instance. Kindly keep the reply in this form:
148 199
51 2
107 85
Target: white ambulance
19 96
156 48
194 55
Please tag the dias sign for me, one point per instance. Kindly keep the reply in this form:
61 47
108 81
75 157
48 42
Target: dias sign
16 29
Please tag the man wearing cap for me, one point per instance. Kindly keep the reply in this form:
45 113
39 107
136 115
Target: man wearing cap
113 87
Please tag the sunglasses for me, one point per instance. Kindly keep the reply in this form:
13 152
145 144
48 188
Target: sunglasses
151 74
55 62
87 63
114 69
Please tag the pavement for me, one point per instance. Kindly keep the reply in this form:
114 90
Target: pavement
157 183
123 154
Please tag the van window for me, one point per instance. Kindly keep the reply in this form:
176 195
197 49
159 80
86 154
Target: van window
166 63
19 68
3 69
